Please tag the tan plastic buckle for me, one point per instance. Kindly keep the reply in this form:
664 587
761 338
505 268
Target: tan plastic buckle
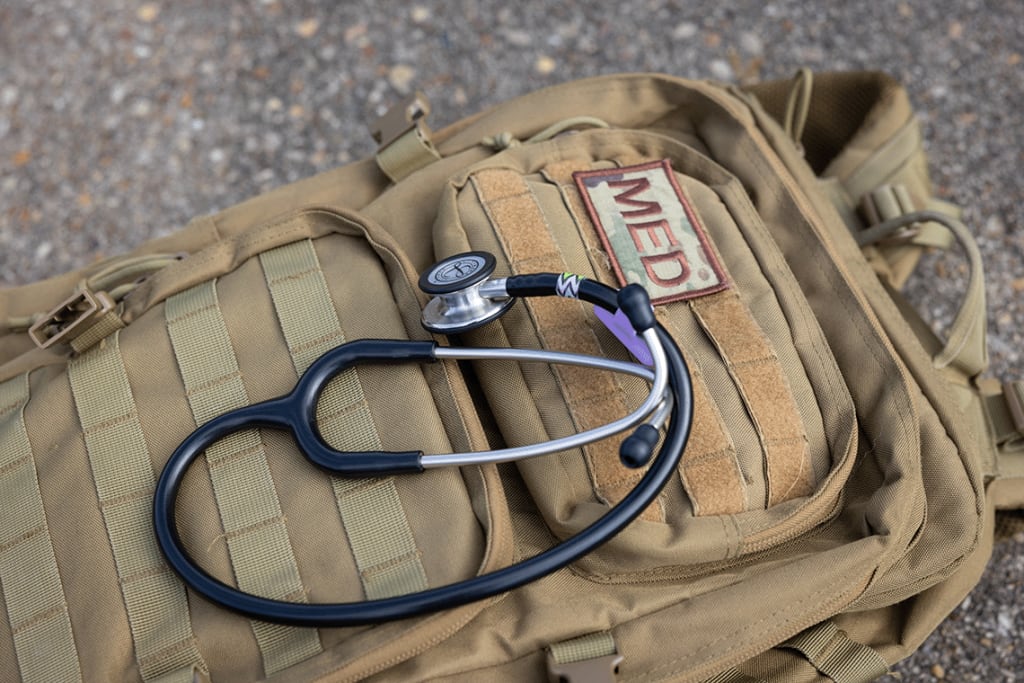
595 670
70 318
409 114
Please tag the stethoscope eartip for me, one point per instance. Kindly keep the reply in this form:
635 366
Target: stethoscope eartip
638 448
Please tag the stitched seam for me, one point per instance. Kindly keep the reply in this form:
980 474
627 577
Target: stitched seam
39 618
214 383
127 497
112 422
191 314
255 526
15 464
23 537
294 276
313 343
382 567
232 457
143 574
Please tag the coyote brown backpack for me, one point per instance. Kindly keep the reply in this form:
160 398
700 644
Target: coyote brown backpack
835 501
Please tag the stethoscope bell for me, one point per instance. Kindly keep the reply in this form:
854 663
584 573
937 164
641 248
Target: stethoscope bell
463 297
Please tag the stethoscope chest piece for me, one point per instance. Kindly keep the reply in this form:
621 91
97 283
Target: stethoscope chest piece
463 297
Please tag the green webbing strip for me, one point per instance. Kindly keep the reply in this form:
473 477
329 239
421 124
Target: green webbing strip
833 654
34 595
375 521
590 646
155 600
254 526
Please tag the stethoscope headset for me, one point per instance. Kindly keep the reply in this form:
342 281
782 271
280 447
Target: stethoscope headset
463 298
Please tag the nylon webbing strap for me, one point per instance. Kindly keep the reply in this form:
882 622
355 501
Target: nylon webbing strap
371 510
594 399
733 676
762 383
32 589
250 510
155 600
832 653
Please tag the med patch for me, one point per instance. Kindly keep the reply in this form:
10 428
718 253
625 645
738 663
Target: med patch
651 233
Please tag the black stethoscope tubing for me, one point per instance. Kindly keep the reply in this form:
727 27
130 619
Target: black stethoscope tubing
444 597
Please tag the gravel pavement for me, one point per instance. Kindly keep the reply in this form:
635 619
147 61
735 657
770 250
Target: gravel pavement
121 120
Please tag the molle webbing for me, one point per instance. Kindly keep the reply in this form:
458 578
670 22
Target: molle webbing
155 600
254 526
594 399
32 588
371 510
762 383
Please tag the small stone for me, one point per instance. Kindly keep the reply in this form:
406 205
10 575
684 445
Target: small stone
685 30
987 642
460 97
141 108
401 76
518 38
84 200
420 14
274 104
905 10
148 12
1005 619
307 28
721 70
751 43
1018 285
8 95
217 155
955 30
712 39
544 65
1014 59
296 111
994 226
354 33
938 671
21 157
43 250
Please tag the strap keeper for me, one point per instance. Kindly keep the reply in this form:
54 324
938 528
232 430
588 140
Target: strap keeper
592 658
71 318
404 138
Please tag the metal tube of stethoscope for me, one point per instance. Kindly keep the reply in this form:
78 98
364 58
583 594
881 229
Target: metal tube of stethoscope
655 402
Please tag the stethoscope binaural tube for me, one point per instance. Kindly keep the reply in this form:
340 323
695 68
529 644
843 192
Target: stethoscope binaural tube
634 303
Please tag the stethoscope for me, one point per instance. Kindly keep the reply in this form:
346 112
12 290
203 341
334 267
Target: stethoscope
464 298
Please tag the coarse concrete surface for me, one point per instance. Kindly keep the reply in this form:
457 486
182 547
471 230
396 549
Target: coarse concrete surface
121 120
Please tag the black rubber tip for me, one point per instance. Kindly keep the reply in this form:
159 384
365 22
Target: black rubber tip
637 449
634 302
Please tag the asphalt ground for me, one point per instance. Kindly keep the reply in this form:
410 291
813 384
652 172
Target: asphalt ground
121 120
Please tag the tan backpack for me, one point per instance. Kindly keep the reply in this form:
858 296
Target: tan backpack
834 503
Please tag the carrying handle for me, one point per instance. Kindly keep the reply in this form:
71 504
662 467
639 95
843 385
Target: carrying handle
966 345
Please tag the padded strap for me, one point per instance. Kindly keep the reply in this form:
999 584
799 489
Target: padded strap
254 526
32 590
154 598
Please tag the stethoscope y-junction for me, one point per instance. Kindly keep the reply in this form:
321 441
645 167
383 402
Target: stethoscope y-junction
464 298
